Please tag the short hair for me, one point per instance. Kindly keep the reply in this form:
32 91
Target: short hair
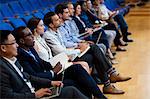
67 3
18 33
48 18
4 36
59 9
32 23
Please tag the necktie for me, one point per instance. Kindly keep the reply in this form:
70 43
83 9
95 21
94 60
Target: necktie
30 53
21 69
18 65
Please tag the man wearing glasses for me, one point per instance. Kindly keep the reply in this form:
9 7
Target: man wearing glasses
14 83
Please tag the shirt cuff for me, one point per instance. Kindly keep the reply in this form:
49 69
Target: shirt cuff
52 73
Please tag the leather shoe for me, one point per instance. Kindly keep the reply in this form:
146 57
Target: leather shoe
118 78
125 44
122 43
121 49
112 90
127 40
114 53
114 62
129 33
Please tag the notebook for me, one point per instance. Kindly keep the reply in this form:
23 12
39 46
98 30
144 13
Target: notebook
63 59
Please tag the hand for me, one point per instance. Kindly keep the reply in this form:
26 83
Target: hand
57 83
83 46
41 92
97 25
90 31
113 14
57 68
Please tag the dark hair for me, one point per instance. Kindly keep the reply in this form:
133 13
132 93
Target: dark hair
60 8
81 3
4 36
18 33
32 23
75 6
48 18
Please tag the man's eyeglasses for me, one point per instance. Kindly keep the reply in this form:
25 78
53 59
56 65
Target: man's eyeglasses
9 43
29 34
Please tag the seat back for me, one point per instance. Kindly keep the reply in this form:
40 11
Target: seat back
35 4
17 22
16 7
6 11
26 5
6 26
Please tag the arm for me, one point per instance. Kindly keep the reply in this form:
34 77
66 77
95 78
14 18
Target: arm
33 70
68 44
7 90
66 37
54 44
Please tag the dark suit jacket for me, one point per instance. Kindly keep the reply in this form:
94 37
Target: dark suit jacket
79 25
13 86
31 66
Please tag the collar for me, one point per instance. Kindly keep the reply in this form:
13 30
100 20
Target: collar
11 60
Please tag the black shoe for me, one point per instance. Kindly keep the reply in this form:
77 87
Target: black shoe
129 33
127 40
125 44
114 53
121 49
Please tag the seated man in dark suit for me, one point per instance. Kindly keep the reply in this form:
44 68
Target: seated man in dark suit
14 83
29 59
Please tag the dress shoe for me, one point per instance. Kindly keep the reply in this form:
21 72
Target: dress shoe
114 53
121 49
114 62
125 44
129 33
112 90
127 40
122 43
118 78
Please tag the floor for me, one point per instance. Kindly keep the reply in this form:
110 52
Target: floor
136 61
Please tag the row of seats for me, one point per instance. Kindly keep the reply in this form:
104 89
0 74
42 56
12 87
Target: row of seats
17 13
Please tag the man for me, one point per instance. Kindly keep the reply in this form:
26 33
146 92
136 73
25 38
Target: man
14 83
54 40
74 75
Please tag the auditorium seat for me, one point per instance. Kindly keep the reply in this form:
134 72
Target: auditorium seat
6 11
35 5
16 22
27 18
38 15
17 9
5 26
27 6
1 16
